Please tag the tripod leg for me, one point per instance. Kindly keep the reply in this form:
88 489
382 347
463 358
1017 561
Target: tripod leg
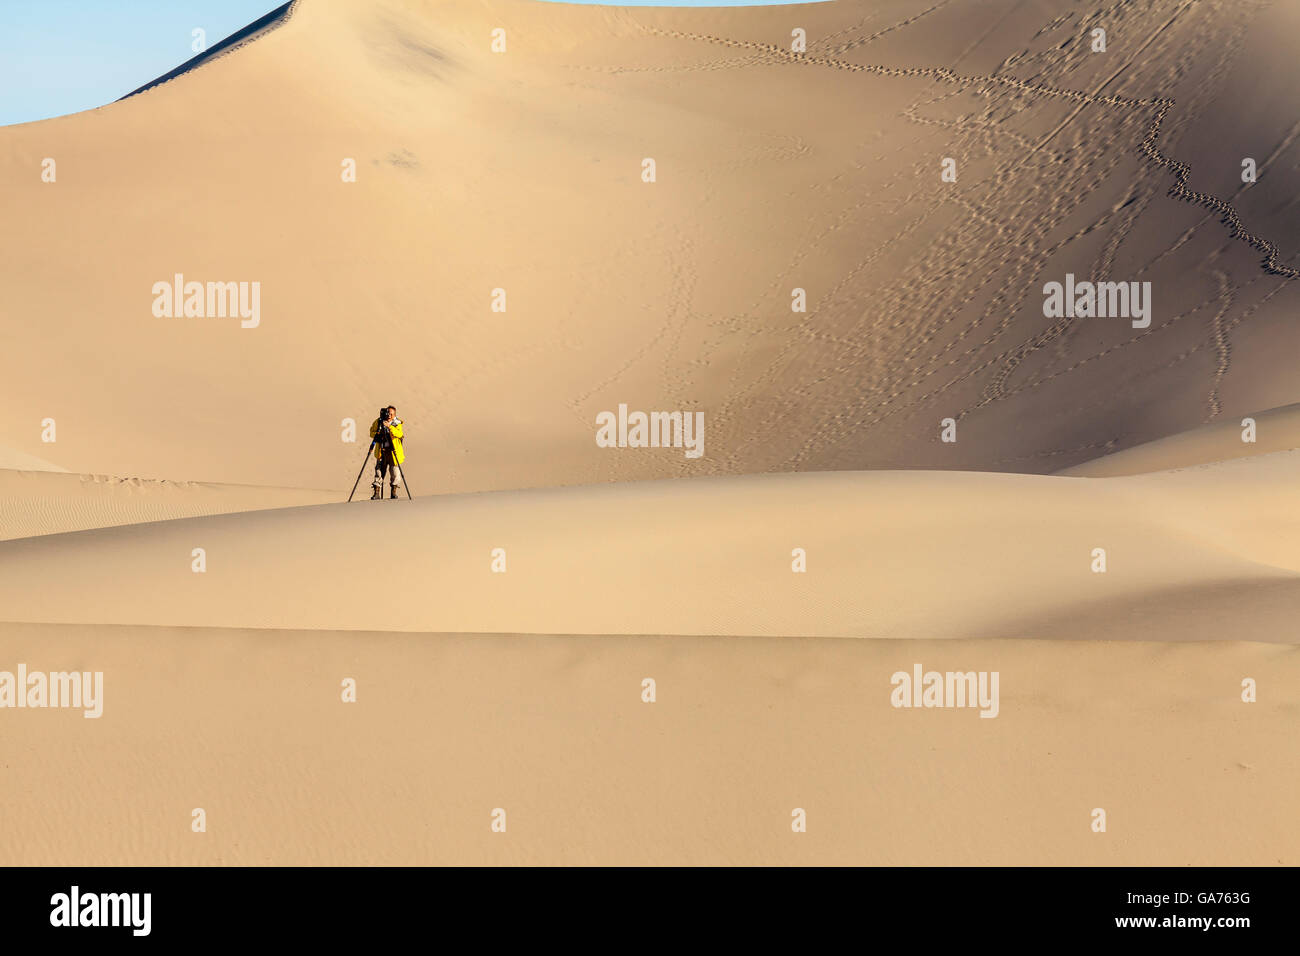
365 462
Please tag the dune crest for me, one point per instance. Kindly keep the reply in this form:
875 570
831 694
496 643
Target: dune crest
44 502
888 555
1277 429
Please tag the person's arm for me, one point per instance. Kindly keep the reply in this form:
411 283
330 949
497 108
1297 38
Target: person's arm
374 428
396 429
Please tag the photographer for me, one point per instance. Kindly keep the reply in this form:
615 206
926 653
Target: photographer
387 432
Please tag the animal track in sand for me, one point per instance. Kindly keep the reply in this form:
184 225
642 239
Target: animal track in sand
876 397
1181 171
881 345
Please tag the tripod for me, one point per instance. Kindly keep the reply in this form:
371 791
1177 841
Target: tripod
392 463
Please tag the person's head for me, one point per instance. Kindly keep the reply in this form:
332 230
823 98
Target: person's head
392 413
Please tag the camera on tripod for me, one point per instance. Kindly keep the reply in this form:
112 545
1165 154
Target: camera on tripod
384 446
383 436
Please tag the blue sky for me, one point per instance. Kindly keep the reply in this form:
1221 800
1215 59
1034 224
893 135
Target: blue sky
62 56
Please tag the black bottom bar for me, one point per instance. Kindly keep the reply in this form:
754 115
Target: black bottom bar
808 906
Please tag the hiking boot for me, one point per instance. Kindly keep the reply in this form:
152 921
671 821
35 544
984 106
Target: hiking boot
376 495
394 493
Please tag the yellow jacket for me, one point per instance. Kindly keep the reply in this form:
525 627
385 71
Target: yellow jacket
396 430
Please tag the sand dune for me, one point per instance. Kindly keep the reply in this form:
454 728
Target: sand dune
522 171
248 725
34 503
1277 429
1140 715
11 460
898 554
225 596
